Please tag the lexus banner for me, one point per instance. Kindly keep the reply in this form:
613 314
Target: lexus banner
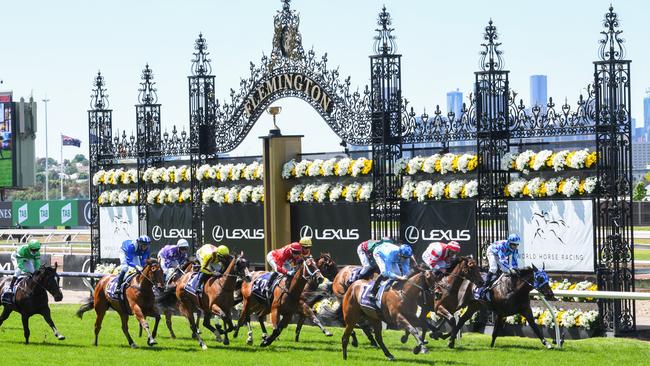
558 234
240 227
168 223
5 215
117 224
335 228
425 222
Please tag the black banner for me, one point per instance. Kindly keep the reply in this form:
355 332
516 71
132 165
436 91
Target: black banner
425 222
83 213
168 223
335 228
5 214
239 227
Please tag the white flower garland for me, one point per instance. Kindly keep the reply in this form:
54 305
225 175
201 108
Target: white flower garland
118 197
425 190
326 168
437 164
529 160
537 187
354 192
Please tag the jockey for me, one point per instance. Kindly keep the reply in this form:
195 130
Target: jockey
439 255
393 263
285 259
133 254
26 260
172 256
213 262
503 255
365 251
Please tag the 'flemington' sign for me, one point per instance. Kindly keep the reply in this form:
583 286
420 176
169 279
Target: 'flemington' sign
288 81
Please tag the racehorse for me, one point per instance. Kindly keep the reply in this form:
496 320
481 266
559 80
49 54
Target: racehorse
286 300
218 299
398 306
463 271
31 298
166 300
139 301
510 295
311 295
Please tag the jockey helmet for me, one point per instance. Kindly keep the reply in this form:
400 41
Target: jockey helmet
514 239
296 248
305 241
405 251
34 245
144 239
222 251
182 243
453 246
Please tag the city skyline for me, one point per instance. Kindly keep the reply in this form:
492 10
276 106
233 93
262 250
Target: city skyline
62 62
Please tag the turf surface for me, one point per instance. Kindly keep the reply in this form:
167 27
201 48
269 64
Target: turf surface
313 349
6 169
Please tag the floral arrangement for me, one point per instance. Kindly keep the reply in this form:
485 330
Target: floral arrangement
426 190
529 160
326 192
437 164
115 177
327 168
565 318
118 197
579 286
168 196
110 269
538 187
233 195
230 172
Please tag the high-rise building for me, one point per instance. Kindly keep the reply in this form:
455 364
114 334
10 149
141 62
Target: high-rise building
646 114
455 102
538 91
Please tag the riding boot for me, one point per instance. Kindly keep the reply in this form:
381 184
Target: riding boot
13 282
120 280
489 279
199 284
375 287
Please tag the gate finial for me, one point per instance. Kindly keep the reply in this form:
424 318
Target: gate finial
384 40
611 46
491 52
99 98
147 92
201 63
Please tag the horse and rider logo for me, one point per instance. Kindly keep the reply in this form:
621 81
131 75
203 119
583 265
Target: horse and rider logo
549 226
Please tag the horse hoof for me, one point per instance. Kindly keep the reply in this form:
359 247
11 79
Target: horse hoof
134 346
548 346
152 342
450 345
354 343
249 341
373 344
226 342
328 333
390 358
424 351
264 344
404 338
204 347
61 337
417 349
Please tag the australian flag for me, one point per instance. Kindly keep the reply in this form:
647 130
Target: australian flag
70 141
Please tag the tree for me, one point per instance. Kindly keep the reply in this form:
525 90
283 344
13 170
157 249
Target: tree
639 192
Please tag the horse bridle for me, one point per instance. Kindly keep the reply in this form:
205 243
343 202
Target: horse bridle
310 274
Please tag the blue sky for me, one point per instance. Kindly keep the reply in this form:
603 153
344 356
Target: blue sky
56 48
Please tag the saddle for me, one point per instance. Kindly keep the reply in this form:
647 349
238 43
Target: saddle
8 295
367 302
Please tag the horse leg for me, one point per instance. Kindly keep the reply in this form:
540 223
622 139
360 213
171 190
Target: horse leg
349 330
301 320
376 326
26 327
308 312
449 317
242 317
142 320
406 325
206 323
226 329
193 326
48 319
155 326
471 309
497 328
6 311
216 310
279 323
168 321
100 311
368 332
528 314
262 319
355 341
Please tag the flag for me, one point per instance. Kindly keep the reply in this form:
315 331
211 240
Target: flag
70 141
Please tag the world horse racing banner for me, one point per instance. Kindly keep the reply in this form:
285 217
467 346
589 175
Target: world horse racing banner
557 234
439 221
117 224
240 227
335 228
168 223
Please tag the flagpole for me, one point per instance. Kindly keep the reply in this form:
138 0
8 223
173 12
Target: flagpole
61 167
47 157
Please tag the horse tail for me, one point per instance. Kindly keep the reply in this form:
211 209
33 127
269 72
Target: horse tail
329 315
167 299
87 305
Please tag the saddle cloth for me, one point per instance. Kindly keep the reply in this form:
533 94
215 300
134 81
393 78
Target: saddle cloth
191 285
9 294
112 286
368 303
263 286
354 275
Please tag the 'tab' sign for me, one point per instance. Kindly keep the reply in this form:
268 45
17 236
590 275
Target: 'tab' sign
423 223
45 213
